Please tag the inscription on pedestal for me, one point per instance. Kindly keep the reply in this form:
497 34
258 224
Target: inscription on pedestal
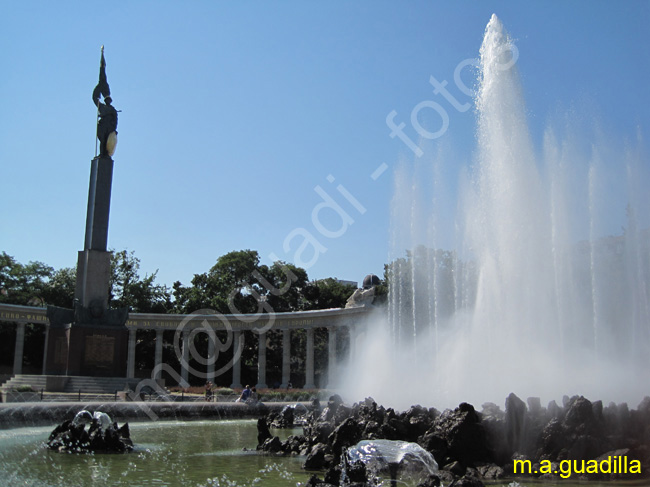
60 351
99 350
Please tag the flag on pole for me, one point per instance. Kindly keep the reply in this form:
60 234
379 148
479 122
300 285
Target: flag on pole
102 86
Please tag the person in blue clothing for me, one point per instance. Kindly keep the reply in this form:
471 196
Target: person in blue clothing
252 398
245 394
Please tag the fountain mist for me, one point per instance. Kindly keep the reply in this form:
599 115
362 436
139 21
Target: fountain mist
534 299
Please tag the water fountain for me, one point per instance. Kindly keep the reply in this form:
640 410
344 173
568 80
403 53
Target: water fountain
389 462
534 298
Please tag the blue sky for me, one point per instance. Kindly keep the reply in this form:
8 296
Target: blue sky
234 112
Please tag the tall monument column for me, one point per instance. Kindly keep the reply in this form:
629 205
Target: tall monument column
94 262
92 339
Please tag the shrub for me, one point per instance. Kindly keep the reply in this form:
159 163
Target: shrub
24 388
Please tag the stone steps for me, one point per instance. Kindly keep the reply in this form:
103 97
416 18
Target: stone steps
71 384
36 382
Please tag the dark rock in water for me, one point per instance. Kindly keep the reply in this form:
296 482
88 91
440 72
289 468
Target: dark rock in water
316 458
490 471
293 444
263 432
491 410
285 419
334 400
553 439
315 481
333 475
579 414
456 468
464 434
470 444
348 433
534 405
102 436
272 445
515 415
468 481
332 405
315 405
356 472
597 409
617 465
435 444
554 410
419 420
432 481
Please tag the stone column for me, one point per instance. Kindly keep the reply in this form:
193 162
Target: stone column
261 362
130 362
212 348
18 349
47 341
331 356
309 368
286 358
236 364
185 362
353 344
159 354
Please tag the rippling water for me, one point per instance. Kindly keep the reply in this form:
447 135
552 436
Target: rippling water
201 453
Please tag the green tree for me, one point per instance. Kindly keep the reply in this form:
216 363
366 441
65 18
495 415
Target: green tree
128 289
327 293
231 286
284 285
60 288
23 284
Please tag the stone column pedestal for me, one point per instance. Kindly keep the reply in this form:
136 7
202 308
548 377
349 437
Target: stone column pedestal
236 365
18 348
158 354
286 358
331 357
261 362
309 367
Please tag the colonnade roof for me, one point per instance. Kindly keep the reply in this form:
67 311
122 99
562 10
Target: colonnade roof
324 318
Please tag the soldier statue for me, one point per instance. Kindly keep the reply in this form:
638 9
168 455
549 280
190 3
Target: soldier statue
106 113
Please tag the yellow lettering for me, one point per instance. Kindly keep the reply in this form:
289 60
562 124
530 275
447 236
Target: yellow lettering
545 466
635 466
592 466
526 466
606 463
565 468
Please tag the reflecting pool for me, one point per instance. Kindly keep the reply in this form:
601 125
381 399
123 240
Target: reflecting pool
167 453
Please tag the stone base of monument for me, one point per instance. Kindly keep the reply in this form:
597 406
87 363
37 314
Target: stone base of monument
87 341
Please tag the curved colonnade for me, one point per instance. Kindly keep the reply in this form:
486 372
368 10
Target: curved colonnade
186 327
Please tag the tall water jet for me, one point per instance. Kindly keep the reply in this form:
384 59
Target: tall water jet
535 297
